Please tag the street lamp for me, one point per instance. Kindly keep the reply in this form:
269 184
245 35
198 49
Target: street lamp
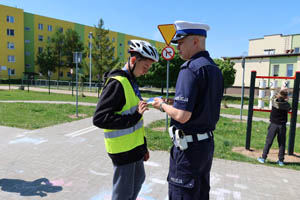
243 83
90 36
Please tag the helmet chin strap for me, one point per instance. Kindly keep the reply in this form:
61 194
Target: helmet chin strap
129 67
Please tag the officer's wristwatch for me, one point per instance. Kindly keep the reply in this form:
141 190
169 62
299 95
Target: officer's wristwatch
160 106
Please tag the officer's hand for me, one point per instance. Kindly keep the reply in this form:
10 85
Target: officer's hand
142 107
156 103
146 156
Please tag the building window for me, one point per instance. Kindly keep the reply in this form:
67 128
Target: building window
296 50
61 74
49 39
289 70
27 65
269 51
10 19
113 39
11 59
10 45
41 38
113 58
113 49
27 53
69 74
12 72
275 70
40 26
61 29
10 32
121 44
49 27
90 45
27 41
121 54
27 29
40 49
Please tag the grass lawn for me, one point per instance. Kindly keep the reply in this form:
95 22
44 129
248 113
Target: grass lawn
43 96
228 134
34 116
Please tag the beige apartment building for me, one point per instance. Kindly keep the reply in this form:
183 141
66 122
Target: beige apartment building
272 55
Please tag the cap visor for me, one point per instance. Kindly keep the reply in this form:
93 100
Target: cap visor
177 37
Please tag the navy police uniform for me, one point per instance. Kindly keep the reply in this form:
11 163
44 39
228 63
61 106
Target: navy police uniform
199 90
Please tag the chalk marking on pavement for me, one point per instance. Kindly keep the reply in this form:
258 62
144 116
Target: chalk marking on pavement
28 140
98 173
232 176
81 132
69 134
159 181
214 179
220 193
285 180
152 164
241 186
237 195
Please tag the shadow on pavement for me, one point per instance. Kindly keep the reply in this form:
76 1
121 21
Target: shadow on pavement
39 187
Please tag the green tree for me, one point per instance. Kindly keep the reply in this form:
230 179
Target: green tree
157 75
72 44
57 44
46 60
226 66
102 51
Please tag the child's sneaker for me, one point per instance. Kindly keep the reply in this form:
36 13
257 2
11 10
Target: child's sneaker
280 163
261 160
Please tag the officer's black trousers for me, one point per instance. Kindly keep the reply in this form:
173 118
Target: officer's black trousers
274 129
189 171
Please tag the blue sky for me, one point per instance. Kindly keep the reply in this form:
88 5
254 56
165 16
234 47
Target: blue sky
232 22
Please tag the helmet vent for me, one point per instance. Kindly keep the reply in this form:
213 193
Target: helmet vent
153 52
146 51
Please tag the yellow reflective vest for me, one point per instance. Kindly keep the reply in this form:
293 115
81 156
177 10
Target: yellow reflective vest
123 140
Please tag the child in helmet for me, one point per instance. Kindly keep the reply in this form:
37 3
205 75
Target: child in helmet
119 113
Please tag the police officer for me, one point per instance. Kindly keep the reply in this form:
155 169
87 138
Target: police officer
120 113
194 114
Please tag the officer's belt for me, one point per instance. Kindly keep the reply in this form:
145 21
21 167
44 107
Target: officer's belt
202 136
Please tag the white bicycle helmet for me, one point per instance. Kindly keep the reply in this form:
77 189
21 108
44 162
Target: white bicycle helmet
144 48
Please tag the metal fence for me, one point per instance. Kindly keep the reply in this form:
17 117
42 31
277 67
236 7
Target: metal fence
62 85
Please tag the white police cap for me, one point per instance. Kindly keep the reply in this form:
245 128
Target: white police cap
184 29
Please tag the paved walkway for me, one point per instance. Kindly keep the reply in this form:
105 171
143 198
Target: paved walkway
72 157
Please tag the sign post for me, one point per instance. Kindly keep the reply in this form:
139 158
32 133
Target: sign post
168 32
49 82
77 57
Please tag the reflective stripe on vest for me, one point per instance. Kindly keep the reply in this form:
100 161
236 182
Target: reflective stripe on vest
123 140
121 132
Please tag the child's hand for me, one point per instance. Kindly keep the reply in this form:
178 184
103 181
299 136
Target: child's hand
142 107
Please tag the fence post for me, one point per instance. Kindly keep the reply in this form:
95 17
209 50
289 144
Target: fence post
294 114
250 109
